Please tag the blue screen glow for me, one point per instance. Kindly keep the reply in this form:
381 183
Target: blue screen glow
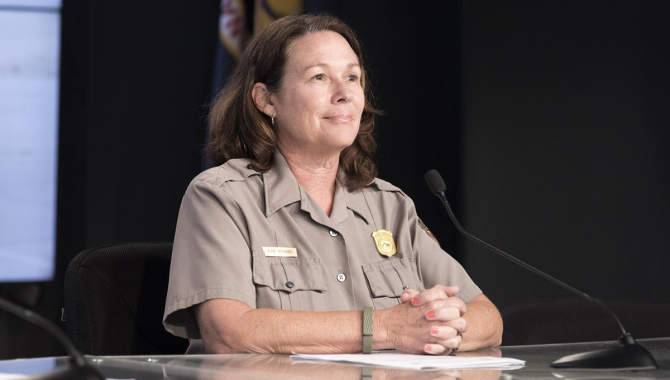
29 85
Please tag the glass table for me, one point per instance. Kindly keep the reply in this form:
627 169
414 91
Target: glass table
224 367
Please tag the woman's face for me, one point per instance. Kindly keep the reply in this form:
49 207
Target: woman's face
319 106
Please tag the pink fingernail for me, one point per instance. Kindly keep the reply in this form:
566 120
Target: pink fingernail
415 301
427 348
430 314
434 330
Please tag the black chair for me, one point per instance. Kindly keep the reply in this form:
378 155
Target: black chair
566 320
114 300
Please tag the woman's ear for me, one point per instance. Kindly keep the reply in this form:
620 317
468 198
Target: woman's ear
262 99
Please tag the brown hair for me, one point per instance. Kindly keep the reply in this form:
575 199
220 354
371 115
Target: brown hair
237 129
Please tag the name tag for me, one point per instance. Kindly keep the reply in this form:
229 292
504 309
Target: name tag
280 252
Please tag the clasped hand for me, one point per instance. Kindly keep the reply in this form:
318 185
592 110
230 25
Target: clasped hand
430 321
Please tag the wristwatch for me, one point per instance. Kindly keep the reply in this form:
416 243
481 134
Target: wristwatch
367 330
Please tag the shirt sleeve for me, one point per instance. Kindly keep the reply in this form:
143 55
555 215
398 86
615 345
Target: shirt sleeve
210 258
438 267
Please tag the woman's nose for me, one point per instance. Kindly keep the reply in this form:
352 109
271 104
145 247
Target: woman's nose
342 93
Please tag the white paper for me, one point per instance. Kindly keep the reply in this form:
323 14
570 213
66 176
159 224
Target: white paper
417 362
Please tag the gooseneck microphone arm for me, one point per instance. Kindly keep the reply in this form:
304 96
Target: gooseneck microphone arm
438 187
629 355
38 320
531 268
80 369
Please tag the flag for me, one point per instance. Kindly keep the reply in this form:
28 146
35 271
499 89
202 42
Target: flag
234 32
267 11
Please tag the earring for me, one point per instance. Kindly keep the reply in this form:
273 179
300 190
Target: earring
273 120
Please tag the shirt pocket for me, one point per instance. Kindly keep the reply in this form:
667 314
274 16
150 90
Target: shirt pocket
289 283
387 279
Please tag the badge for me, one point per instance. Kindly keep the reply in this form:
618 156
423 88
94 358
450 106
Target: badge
280 252
384 242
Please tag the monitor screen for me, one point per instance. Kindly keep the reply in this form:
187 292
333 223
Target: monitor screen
29 85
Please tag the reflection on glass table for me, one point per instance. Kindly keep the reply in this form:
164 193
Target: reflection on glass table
223 367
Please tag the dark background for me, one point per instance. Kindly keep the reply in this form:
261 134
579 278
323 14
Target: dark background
547 119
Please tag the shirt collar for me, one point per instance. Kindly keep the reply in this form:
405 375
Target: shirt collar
281 186
282 189
357 203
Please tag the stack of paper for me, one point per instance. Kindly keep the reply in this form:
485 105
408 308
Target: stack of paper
418 362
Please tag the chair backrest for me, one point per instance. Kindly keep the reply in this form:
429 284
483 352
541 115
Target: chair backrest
566 320
115 297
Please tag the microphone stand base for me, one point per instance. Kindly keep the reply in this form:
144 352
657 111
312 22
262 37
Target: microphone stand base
627 357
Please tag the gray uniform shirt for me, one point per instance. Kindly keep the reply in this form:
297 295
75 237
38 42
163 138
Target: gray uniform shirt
230 212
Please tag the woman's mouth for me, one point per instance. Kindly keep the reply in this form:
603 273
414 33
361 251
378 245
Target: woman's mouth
339 118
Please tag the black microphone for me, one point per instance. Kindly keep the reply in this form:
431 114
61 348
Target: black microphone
628 356
79 368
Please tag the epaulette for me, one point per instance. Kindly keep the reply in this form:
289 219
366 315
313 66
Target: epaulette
386 186
234 170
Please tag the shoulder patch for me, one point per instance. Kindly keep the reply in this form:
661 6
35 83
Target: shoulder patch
425 228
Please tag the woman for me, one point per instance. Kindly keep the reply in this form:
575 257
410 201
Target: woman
280 247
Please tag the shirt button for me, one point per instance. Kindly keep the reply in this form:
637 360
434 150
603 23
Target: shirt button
405 287
333 233
341 277
289 285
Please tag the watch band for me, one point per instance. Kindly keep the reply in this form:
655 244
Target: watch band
367 330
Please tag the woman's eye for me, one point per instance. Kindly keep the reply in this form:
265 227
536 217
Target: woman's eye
353 78
319 77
